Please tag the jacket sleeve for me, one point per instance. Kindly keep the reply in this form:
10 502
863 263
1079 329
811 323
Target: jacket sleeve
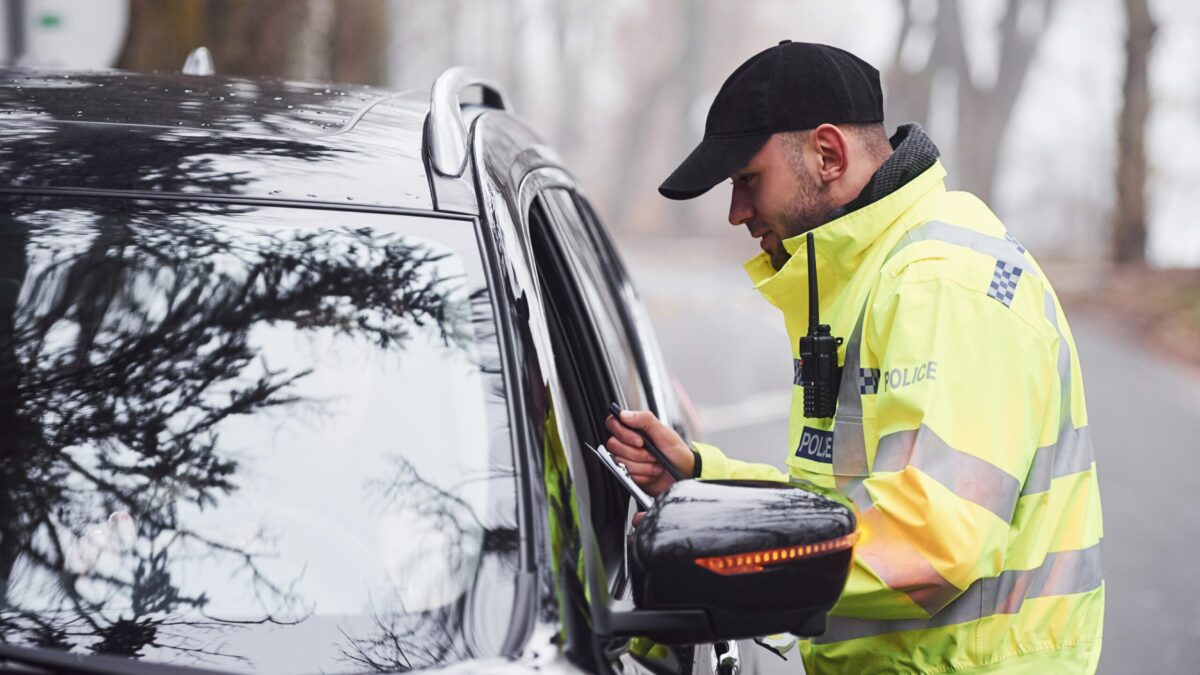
959 411
714 464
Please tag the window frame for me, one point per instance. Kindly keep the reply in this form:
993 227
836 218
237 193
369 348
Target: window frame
584 369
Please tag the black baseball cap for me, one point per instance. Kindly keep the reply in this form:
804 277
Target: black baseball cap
792 86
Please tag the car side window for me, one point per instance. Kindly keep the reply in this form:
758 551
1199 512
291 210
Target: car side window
593 359
663 396
593 274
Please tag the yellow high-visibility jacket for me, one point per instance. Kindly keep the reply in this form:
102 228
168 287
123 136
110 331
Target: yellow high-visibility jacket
961 436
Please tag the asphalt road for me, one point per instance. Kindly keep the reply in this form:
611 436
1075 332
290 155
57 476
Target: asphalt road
729 349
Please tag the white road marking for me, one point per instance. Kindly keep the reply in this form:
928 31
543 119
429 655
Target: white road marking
749 411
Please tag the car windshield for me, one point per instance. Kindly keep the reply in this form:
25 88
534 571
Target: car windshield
250 438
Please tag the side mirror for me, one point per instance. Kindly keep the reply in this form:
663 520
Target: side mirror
752 557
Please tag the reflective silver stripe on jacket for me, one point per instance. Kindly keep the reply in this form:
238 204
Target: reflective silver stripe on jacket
1001 249
1062 573
1070 455
1072 451
1064 363
971 478
850 466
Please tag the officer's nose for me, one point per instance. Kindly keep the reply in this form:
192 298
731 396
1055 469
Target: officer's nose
741 206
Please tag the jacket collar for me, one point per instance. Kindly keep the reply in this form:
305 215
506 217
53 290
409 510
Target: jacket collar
841 244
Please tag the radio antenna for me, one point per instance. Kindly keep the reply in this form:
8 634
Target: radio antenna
814 311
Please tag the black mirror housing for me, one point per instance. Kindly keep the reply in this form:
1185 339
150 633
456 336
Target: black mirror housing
756 557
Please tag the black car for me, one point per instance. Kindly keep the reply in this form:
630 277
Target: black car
296 378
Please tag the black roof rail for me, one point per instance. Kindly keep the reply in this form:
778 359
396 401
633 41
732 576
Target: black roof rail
447 131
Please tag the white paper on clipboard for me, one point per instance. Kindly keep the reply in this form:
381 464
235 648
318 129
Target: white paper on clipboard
619 471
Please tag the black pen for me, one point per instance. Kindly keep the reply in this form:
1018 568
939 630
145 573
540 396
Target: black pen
650 446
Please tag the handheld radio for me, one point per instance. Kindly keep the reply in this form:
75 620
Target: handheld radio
819 372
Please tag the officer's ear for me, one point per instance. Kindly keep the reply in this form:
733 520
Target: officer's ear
832 149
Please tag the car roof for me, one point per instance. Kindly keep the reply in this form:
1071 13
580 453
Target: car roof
217 136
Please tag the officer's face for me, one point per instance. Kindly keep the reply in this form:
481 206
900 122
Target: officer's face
777 196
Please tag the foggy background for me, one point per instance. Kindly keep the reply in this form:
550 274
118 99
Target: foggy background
1078 121
1029 100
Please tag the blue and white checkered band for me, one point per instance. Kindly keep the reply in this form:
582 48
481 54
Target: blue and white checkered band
1014 242
868 380
796 375
1004 282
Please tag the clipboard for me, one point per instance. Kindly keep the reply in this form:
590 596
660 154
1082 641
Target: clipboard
619 472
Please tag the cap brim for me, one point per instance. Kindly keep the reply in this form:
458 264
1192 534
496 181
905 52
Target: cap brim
714 160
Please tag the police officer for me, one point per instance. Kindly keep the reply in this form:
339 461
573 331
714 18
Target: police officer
960 432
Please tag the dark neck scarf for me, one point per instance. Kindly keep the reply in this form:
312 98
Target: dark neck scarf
912 153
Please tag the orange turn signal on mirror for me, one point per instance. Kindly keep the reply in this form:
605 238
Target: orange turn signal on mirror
756 561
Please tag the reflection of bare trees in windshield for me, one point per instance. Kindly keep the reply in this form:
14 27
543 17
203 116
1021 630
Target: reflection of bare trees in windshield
402 641
124 345
434 570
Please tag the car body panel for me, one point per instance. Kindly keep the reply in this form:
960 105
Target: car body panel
213 136
511 160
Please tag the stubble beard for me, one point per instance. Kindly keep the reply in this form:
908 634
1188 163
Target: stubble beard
808 210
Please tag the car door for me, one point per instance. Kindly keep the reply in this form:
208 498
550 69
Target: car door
591 345
595 362
613 351
591 304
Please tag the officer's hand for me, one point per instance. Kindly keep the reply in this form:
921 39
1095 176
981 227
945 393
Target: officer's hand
627 448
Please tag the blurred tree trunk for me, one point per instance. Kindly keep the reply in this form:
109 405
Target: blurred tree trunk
315 39
983 111
677 82
691 66
907 98
1129 226
573 51
312 48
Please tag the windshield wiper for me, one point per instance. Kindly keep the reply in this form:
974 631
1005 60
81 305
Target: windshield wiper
42 659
